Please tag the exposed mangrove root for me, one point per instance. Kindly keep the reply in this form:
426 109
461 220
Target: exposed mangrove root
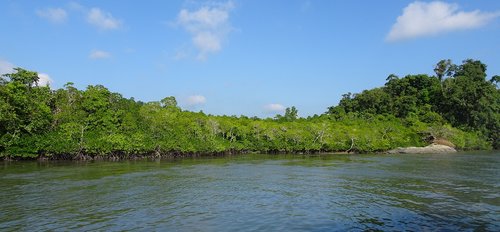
158 154
352 146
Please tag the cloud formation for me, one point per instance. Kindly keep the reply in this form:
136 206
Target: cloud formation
44 80
208 27
6 67
98 54
274 108
421 19
102 20
54 15
195 100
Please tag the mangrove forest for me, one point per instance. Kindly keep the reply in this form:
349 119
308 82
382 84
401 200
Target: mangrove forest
460 104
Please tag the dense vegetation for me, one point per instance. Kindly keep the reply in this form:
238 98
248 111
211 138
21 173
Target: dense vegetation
458 94
458 104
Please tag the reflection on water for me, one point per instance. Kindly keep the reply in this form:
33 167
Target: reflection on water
256 193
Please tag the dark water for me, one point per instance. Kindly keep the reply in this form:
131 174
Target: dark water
458 192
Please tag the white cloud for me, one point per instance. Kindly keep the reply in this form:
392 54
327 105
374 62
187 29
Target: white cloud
196 100
6 67
208 27
274 108
98 54
55 15
424 19
102 20
44 80
75 6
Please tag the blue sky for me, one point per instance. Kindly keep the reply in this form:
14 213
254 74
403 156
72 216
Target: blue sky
243 56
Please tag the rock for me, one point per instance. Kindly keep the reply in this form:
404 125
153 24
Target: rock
445 142
431 149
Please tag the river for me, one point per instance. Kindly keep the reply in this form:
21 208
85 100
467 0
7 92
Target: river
452 192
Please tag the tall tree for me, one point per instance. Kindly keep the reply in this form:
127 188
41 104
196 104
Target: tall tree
444 67
472 102
24 108
291 113
169 102
23 76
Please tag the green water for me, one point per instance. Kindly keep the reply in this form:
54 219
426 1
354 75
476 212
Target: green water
256 193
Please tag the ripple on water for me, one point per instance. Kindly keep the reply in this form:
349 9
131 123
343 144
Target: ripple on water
257 193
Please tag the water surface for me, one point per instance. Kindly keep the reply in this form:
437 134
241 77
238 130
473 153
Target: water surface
256 193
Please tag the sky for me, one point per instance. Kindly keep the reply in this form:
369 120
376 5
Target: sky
243 57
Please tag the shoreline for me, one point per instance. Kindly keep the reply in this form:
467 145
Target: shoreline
430 149
166 155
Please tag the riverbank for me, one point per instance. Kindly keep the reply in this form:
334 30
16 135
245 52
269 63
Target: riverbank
430 149
160 155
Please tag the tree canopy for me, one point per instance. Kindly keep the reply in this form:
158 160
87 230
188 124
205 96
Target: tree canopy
466 99
36 121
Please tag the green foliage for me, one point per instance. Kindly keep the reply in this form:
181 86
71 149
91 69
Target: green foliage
471 102
23 77
25 110
169 102
465 99
290 114
444 67
36 121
